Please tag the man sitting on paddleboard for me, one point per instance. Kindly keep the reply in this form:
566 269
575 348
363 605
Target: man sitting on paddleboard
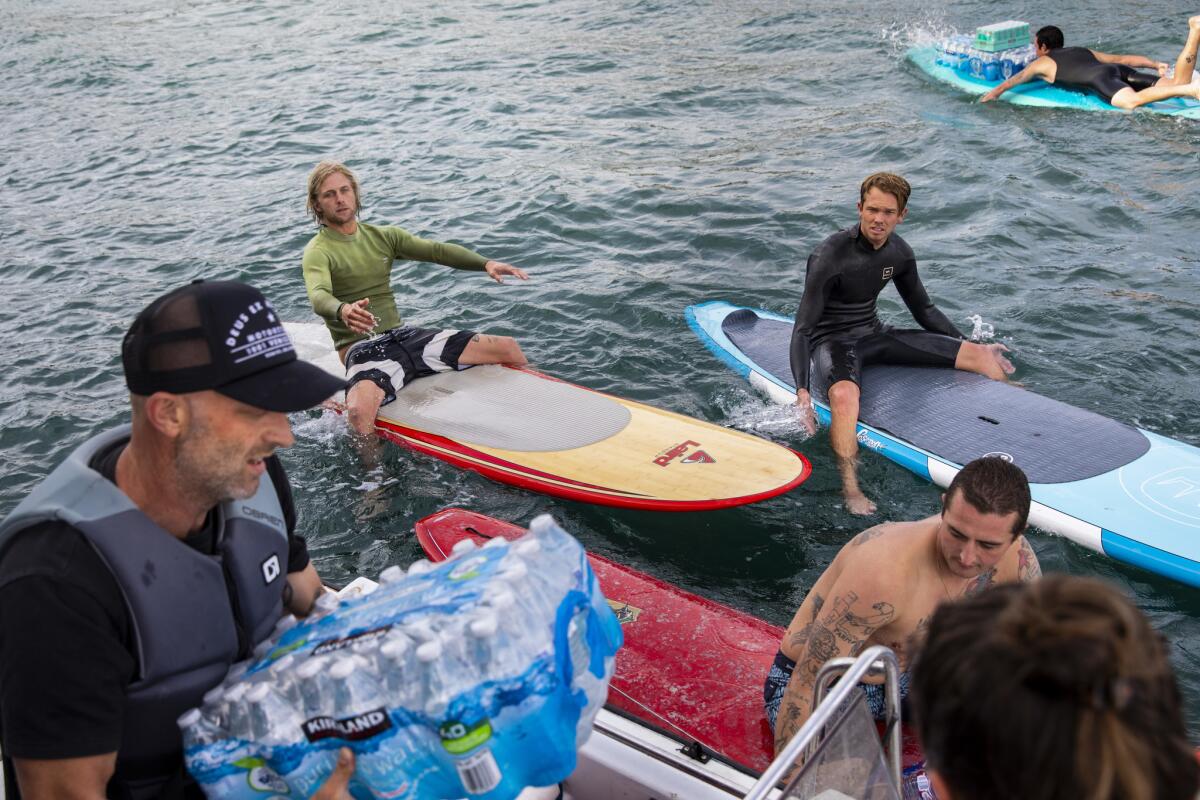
838 329
1114 78
885 583
348 267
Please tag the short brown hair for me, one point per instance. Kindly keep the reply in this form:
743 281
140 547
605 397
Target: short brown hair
888 182
993 485
317 177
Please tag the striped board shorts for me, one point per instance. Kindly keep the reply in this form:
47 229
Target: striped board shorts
396 357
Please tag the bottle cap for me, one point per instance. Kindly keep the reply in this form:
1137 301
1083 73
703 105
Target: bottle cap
310 668
257 693
429 651
420 567
343 668
189 718
392 574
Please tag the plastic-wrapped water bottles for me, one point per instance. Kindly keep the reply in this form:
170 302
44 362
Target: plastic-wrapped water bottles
471 678
959 53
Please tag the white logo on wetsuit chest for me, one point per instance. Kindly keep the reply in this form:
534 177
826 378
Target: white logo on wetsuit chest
270 569
887 272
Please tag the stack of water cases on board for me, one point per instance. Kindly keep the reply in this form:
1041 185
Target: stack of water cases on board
995 53
472 678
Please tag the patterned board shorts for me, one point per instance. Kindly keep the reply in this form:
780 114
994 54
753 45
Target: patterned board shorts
401 355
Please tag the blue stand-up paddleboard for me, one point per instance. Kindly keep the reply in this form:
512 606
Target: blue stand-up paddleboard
1037 92
1119 490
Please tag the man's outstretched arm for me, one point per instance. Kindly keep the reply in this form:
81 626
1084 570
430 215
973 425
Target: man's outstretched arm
1036 69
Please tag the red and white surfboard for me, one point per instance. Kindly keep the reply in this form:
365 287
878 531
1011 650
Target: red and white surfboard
523 428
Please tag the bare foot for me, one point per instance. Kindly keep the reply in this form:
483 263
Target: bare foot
1196 90
860 505
1194 22
334 406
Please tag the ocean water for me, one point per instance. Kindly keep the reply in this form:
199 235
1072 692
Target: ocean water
635 157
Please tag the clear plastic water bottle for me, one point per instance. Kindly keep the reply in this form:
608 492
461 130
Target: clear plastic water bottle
437 680
234 716
198 730
316 689
991 66
975 63
273 720
209 751
362 706
530 641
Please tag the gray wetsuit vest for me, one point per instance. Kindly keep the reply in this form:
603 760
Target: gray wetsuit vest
192 614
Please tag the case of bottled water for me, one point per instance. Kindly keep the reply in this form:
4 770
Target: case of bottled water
959 53
472 678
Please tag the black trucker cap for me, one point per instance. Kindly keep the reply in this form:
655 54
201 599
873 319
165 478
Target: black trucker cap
224 336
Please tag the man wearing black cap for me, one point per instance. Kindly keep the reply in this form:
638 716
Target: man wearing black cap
156 555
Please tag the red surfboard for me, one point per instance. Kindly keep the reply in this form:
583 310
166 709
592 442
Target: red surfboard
689 665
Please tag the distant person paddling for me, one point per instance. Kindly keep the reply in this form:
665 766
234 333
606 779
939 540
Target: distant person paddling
1115 78
838 331
347 272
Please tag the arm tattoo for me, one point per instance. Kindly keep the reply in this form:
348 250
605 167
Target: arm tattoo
800 638
840 629
1028 568
867 535
818 602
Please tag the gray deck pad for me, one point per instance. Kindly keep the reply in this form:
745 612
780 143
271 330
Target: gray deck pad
508 409
961 416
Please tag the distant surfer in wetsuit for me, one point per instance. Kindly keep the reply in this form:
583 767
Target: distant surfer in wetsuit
884 584
1114 78
838 329
347 272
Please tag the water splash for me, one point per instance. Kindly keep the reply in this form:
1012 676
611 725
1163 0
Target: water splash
753 414
916 33
327 428
981 331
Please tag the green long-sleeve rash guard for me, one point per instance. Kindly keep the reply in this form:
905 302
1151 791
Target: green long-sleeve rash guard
342 269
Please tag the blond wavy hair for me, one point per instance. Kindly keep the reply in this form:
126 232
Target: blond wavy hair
317 177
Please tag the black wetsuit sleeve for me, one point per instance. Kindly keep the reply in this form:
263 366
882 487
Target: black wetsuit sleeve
927 315
818 284
298 557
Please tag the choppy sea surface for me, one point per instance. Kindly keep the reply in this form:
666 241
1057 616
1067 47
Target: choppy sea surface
635 157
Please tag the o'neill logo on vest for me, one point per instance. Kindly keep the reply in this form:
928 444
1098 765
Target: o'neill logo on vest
887 272
352 729
695 457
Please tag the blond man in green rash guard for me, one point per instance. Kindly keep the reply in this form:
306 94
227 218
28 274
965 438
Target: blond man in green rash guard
347 272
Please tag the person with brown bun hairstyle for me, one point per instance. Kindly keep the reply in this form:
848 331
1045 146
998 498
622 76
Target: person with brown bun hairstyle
1053 689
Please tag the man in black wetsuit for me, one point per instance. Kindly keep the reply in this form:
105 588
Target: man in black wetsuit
838 330
1114 78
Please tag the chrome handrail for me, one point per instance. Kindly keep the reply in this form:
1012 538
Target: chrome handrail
873 660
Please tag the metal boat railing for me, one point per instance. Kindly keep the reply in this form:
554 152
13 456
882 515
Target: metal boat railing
829 706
